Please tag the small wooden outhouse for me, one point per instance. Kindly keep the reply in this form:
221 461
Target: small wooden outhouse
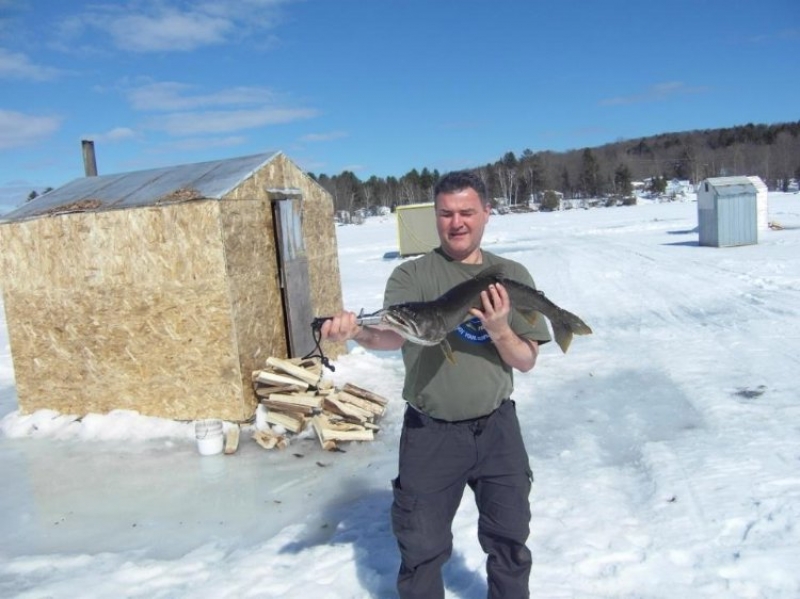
161 291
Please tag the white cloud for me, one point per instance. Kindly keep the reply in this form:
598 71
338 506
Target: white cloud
158 27
113 135
317 137
170 30
203 143
225 111
18 129
15 65
226 121
170 95
782 35
659 91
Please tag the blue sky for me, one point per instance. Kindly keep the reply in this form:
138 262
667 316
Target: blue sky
375 86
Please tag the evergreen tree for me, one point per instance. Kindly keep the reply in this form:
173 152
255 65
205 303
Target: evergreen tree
589 180
622 180
658 184
427 180
566 186
550 201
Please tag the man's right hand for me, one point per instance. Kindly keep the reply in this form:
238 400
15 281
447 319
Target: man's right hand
341 327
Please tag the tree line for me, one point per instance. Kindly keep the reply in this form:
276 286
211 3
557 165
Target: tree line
771 152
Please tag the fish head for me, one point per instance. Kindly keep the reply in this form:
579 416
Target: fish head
414 323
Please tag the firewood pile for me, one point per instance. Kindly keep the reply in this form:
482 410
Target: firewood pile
293 395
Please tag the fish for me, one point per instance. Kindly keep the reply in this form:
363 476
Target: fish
429 323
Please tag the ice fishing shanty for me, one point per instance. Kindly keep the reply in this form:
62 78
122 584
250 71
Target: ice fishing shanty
161 291
730 210
416 228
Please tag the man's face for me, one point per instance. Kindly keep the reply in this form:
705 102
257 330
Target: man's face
460 221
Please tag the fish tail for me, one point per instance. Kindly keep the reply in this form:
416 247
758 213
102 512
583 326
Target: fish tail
562 330
562 333
566 324
576 324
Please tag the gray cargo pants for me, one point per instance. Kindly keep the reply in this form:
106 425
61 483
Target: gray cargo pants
437 460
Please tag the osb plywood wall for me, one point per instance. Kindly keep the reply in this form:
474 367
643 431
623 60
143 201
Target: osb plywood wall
126 309
254 285
319 233
166 310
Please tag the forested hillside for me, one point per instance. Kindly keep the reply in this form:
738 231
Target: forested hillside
771 152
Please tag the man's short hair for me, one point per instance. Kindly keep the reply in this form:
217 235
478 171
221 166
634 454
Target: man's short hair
459 180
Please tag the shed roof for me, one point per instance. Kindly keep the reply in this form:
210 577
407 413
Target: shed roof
730 186
209 180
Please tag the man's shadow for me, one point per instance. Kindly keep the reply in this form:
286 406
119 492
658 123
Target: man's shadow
365 524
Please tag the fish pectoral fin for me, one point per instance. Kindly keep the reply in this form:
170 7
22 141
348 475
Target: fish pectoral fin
531 316
448 351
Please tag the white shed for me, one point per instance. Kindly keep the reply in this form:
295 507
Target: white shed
416 229
727 212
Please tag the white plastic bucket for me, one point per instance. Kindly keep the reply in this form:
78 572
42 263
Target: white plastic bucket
210 439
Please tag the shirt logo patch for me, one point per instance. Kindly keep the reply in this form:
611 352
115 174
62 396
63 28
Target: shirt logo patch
473 331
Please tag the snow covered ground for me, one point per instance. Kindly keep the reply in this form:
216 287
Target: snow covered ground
665 447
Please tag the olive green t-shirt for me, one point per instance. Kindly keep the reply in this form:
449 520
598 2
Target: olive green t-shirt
479 380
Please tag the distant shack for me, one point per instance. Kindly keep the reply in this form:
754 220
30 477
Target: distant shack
162 290
416 229
729 210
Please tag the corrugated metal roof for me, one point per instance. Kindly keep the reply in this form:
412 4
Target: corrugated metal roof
726 186
210 180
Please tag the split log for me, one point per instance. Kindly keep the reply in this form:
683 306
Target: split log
365 394
310 364
317 423
296 371
270 440
232 439
267 391
271 378
326 433
369 407
292 422
338 424
307 404
351 411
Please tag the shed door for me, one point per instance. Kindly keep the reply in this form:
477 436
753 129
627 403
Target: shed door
293 269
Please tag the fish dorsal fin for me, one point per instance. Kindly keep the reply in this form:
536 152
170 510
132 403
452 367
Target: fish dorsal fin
496 271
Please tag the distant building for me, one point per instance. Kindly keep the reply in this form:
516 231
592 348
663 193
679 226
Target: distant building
678 187
416 229
727 211
502 205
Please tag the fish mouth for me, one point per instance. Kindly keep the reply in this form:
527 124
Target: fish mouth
406 327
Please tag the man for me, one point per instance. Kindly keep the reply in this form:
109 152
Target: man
460 427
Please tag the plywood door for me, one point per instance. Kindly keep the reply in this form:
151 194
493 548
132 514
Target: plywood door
293 268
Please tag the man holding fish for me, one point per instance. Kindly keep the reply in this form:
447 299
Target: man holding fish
460 426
